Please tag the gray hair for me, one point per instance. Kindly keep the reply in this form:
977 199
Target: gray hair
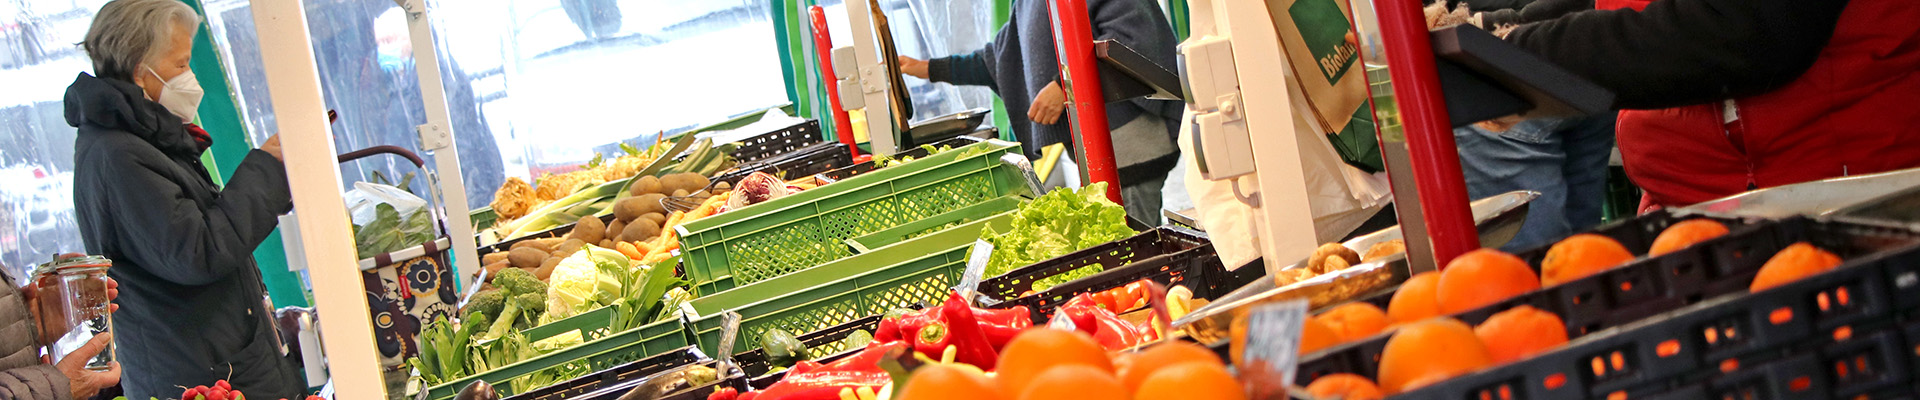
128 33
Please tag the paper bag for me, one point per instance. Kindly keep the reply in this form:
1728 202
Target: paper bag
1324 53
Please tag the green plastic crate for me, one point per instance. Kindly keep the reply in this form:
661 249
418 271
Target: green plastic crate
967 220
810 228
835 293
602 350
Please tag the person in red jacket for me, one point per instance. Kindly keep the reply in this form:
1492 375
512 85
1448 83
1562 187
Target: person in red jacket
1725 96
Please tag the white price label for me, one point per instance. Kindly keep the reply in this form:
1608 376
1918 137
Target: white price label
976 267
1273 347
1062 322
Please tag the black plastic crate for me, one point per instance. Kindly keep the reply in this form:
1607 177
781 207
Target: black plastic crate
1168 255
611 378
1635 291
830 341
1742 342
785 140
814 159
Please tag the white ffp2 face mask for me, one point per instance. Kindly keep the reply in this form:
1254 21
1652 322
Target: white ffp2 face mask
181 95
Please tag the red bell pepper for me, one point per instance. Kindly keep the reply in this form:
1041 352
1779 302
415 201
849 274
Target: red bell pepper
811 381
1000 326
1106 327
965 334
725 393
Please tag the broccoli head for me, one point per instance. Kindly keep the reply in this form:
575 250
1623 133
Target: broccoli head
531 305
523 309
518 281
487 302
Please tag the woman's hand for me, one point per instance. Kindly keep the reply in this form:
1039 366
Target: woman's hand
87 383
1048 105
913 67
272 146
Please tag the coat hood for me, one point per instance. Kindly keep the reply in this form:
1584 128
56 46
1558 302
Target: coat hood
115 105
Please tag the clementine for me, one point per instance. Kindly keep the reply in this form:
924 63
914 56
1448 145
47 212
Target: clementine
1075 381
1035 351
1796 262
1355 321
1521 332
1416 299
1480 278
1346 386
1686 233
1160 356
1580 256
1428 352
1315 335
948 382
1193 380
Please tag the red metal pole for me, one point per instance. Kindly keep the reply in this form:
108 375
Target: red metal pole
1423 110
823 44
1073 43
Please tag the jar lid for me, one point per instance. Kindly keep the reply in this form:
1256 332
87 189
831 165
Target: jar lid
74 263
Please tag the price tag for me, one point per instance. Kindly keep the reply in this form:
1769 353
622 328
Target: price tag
976 267
1062 322
1272 348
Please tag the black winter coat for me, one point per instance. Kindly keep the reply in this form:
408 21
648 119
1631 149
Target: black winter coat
192 307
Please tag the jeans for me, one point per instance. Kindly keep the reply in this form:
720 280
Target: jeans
1563 159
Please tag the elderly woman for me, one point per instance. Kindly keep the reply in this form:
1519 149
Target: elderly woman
23 375
192 303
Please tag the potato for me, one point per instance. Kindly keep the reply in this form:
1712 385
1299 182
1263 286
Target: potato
722 187
627 209
606 243
544 245
640 230
614 229
658 218
644 185
687 181
589 229
1317 261
493 257
569 247
494 268
526 257
546 268
680 193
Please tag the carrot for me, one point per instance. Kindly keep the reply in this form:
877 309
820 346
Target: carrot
643 247
630 251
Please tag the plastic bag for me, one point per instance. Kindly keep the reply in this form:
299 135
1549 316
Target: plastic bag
364 196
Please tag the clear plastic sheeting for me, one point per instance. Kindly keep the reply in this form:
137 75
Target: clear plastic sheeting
37 61
533 86
929 29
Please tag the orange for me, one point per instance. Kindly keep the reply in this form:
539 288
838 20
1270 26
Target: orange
1581 256
1686 233
1160 356
1416 299
948 382
1521 332
1346 386
1075 381
1428 352
1316 335
1355 321
1798 261
1193 380
1037 350
1480 278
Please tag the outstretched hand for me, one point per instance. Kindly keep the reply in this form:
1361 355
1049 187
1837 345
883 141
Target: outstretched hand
87 383
913 67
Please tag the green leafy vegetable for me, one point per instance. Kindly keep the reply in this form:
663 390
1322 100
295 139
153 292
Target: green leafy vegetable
389 232
1053 225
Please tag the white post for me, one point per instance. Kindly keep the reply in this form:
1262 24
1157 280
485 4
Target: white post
313 172
873 77
1277 130
436 137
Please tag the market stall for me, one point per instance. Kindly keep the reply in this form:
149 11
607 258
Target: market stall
780 264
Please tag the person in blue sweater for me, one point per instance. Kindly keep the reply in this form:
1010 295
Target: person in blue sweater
1020 66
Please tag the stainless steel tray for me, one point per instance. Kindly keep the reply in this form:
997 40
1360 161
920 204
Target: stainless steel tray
1498 218
1813 198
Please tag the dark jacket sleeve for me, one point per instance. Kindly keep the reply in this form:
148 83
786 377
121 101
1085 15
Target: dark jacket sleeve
1682 52
962 69
178 240
1488 5
39 382
1540 10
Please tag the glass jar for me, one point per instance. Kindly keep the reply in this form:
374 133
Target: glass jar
74 306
